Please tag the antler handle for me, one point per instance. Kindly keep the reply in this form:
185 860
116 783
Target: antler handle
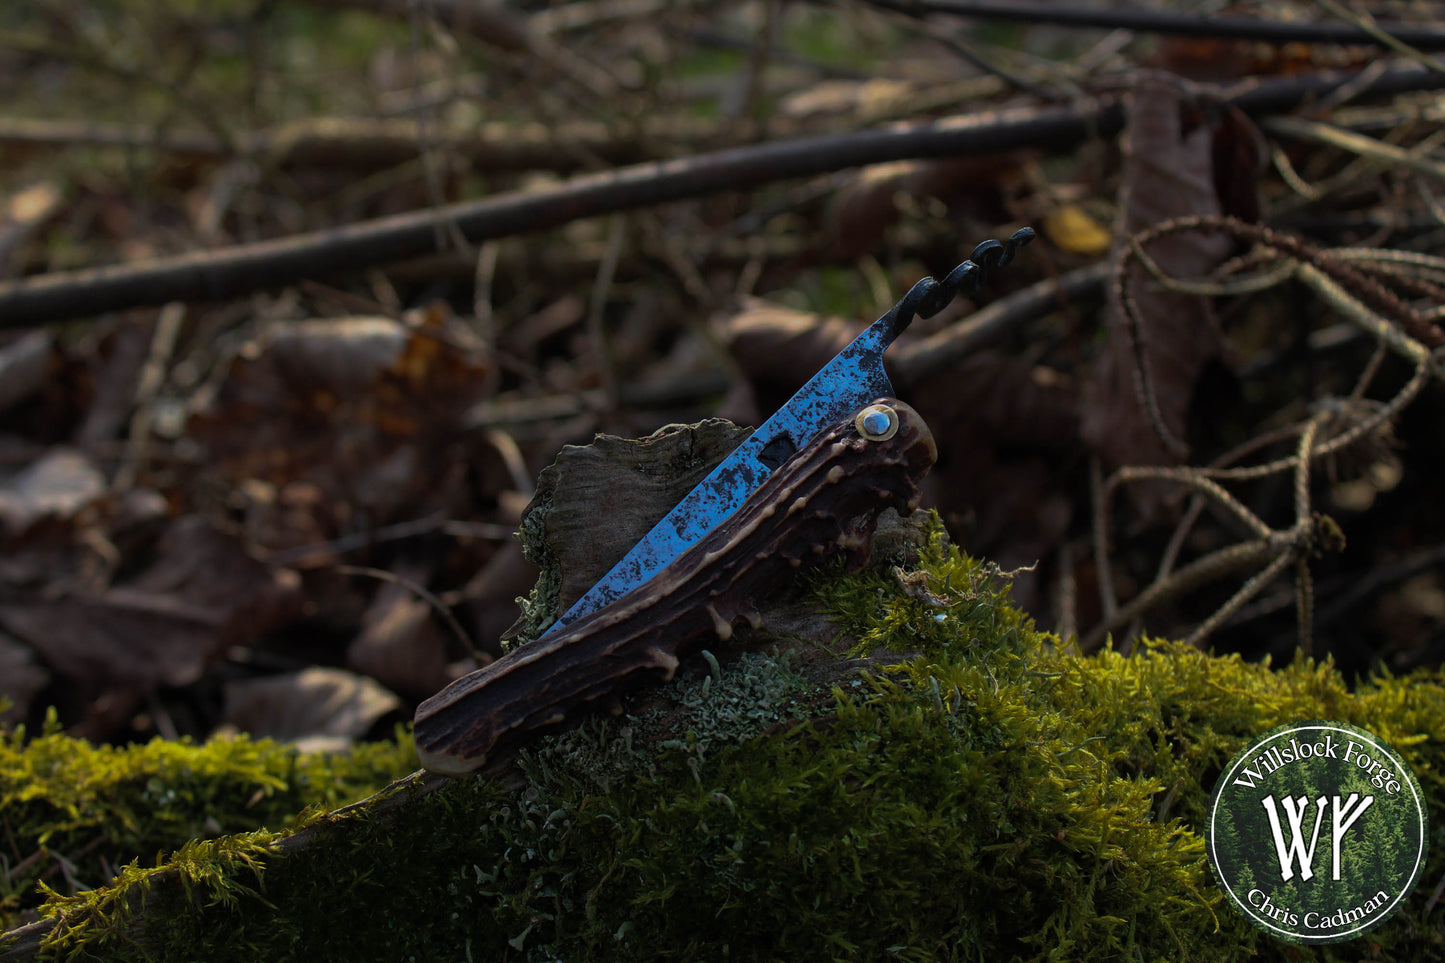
827 495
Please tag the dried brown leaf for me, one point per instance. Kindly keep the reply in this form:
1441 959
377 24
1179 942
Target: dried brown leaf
24 364
164 626
360 408
869 203
59 485
400 644
779 349
1169 171
320 708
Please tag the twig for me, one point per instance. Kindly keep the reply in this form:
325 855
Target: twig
421 591
584 14
1304 591
368 143
500 27
163 343
1202 571
596 311
686 390
986 326
483 278
1434 897
506 446
1247 591
976 61
1193 478
97 60
1305 129
1066 598
1137 332
1386 35
1179 25
237 270
1198 501
1365 301
400 531
447 235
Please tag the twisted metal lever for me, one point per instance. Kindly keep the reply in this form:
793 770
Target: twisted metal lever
930 296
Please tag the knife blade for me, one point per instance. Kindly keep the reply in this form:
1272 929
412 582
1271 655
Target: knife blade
852 379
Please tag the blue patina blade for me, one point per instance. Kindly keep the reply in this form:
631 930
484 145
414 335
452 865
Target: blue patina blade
851 380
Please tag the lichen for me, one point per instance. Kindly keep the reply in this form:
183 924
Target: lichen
540 606
705 710
977 792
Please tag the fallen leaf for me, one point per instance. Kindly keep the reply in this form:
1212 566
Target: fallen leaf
967 187
1070 228
1168 173
401 645
59 485
361 408
24 365
320 707
165 625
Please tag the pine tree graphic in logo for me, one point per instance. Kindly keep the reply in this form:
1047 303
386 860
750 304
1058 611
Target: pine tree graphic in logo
1317 831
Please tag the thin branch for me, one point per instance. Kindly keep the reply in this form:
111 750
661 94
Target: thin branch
1193 478
989 324
1256 584
1302 128
233 271
1387 35
163 343
1174 24
421 591
497 26
1200 572
368 143
1365 301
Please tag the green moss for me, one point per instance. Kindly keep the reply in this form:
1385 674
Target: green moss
72 811
981 796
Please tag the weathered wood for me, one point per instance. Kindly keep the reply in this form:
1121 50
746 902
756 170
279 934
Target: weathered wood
596 501
827 496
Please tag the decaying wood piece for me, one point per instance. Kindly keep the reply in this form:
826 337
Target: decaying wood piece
827 496
596 501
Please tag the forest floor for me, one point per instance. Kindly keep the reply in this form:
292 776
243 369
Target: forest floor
296 299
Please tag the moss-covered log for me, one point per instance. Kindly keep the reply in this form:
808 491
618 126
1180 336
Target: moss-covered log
954 788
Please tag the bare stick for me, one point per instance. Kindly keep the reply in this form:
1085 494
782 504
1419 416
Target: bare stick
268 264
163 343
1179 25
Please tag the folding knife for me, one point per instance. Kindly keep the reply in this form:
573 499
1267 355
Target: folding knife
841 449
852 379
